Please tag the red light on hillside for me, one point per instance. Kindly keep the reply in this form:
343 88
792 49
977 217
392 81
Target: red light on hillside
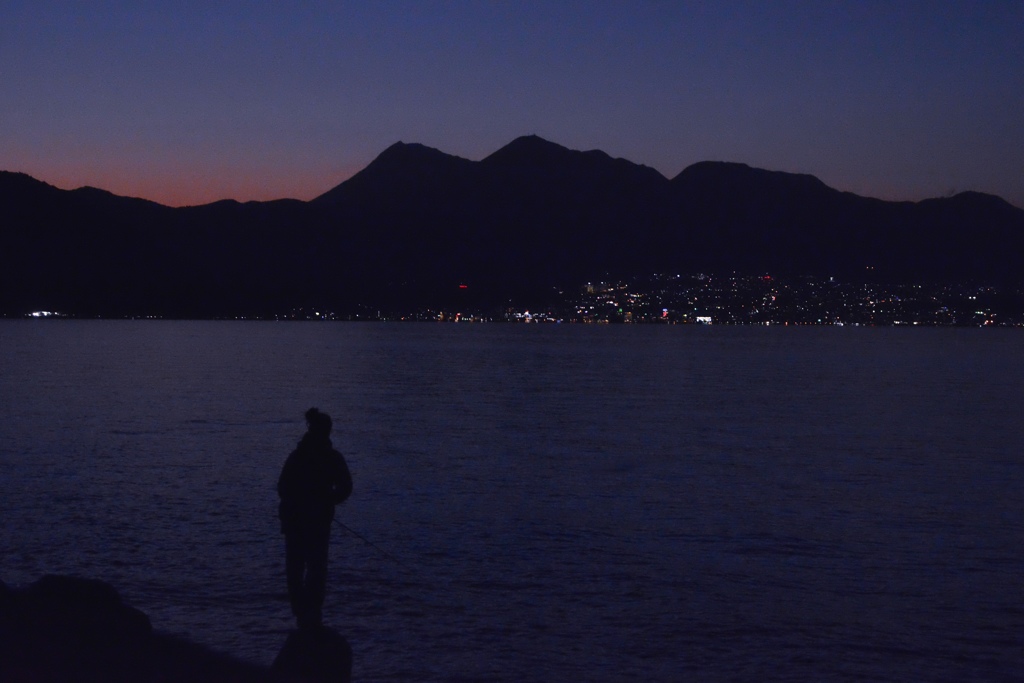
463 286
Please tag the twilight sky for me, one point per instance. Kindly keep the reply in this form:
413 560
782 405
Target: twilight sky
188 102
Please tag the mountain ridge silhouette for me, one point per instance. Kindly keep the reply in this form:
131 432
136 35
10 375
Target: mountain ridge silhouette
530 218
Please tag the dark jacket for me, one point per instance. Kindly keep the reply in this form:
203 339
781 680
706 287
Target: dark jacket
314 479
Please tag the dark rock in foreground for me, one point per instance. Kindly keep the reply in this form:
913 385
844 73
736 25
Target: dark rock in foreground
67 629
315 654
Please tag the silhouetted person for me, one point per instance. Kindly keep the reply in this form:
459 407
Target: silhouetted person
314 479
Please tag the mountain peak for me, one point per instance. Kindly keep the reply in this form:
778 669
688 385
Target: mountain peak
406 152
969 197
730 173
14 181
532 153
979 203
530 150
535 142
408 163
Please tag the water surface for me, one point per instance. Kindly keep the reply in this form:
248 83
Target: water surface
604 503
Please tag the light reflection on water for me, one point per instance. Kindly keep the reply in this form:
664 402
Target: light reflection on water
610 503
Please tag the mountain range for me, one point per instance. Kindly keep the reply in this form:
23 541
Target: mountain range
418 227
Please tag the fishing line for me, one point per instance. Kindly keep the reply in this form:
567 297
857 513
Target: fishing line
373 545
453 586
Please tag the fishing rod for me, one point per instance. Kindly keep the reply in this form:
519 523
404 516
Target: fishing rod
370 543
452 586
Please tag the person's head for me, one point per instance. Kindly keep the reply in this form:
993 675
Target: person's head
317 423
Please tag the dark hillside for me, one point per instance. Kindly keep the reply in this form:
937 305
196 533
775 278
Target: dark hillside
418 227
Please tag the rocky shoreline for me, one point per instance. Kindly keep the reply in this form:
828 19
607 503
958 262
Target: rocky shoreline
71 629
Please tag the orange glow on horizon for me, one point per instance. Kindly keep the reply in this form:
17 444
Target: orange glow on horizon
194 187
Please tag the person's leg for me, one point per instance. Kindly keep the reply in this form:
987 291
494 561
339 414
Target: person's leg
294 567
316 574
